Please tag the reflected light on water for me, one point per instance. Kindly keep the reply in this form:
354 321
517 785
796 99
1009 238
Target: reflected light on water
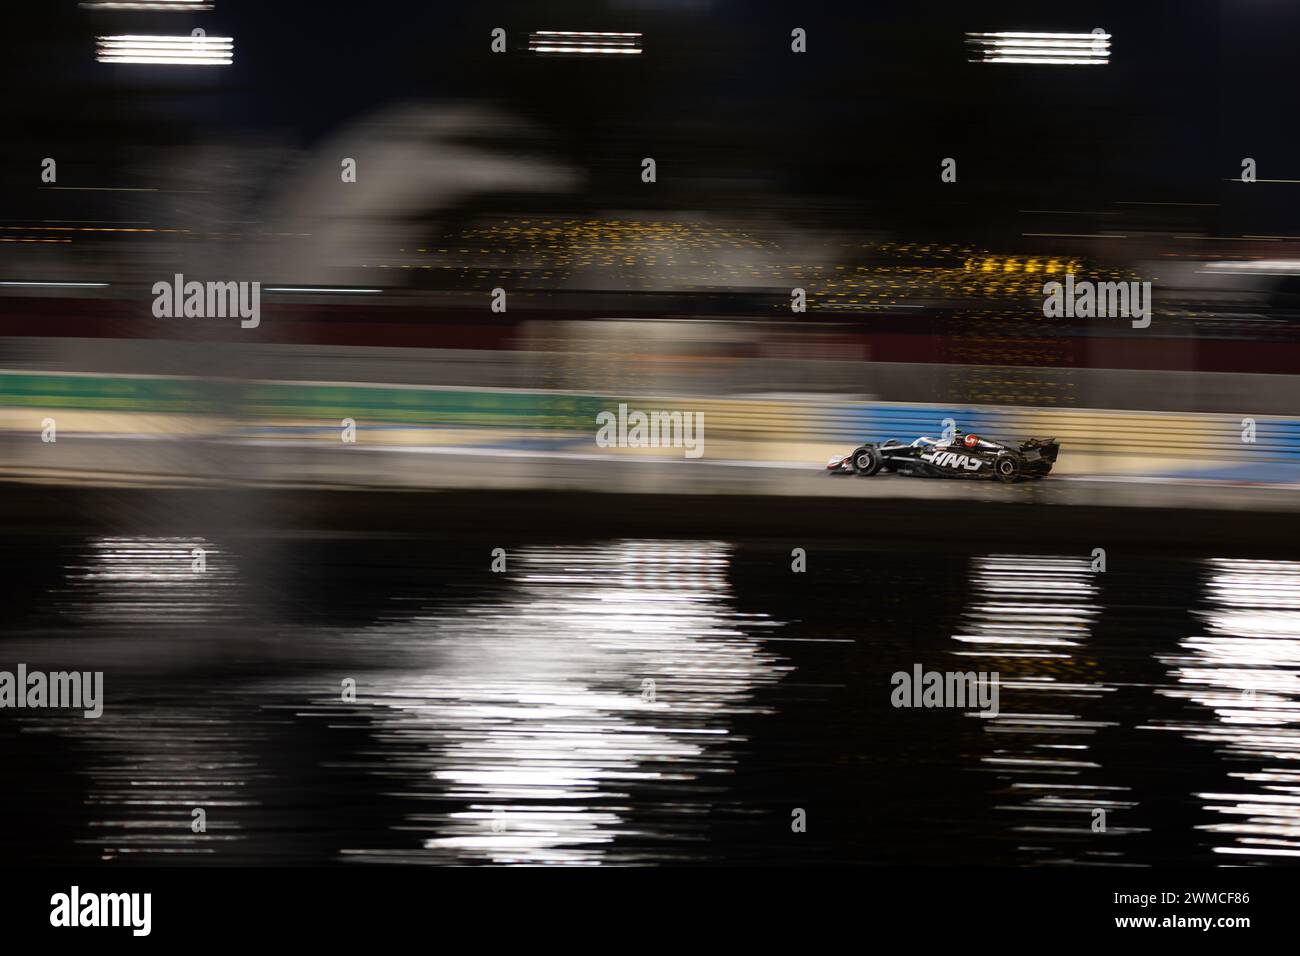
149 758
1029 618
601 670
128 580
1244 669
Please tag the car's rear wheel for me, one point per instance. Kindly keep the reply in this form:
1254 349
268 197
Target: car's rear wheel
867 461
1007 468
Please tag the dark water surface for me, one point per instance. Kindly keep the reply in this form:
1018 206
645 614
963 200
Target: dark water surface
645 701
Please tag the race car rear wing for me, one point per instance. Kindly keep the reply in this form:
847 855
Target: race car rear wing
1047 448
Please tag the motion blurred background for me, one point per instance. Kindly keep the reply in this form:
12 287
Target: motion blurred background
521 170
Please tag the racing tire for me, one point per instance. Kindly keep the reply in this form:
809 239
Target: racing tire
867 461
1007 468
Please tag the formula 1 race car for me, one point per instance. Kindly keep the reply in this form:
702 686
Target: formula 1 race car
962 456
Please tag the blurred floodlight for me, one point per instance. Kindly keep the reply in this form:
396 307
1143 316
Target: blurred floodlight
145 5
1060 49
323 290
1257 266
560 41
184 50
55 285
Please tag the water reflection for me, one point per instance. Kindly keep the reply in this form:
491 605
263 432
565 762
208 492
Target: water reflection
1029 618
1244 669
143 580
527 722
152 765
591 705
165 743
587 698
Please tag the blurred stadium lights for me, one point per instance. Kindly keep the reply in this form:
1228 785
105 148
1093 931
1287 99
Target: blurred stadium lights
1060 49
560 41
155 5
186 50
56 285
323 290
1257 266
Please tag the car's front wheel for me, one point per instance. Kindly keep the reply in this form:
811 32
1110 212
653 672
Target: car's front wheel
867 461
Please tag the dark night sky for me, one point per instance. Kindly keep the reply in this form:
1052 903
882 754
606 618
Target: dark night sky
882 93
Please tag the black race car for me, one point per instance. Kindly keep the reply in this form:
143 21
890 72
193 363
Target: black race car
962 456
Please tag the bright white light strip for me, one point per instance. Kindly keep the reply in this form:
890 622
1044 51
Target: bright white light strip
165 60
1040 44
583 41
1098 51
170 50
58 285
579 49
184 38
1043 59
1045 36
1048 48
286 288
150 5
1281 266
1069 49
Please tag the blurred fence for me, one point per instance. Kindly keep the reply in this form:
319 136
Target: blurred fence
789 429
